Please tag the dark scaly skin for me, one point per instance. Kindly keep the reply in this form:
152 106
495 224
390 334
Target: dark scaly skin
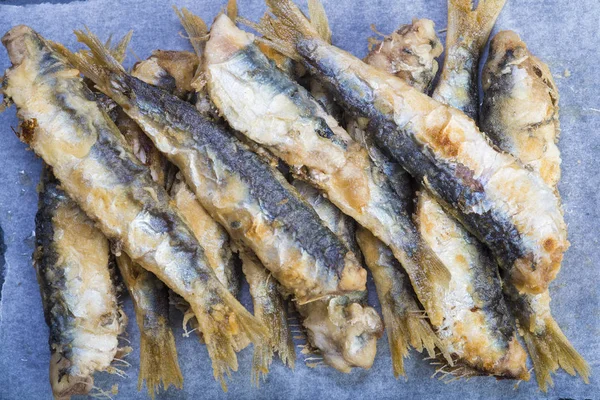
248 197
97 169
520 113
81 341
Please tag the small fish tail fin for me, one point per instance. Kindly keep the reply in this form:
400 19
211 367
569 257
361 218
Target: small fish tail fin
284 27
232 10
550 350
472 25
97 64
119 51
224 326
422 337
397 328
261 361
195 27
318 18
158 360
430 279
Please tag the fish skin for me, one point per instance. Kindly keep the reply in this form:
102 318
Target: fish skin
477 331
467 35
80 306
289 122
244 194
506 206
520 114
96 168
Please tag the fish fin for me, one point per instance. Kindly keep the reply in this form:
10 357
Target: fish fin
197 32
223 328
158 360
195 27
318 18
232 10
284 28
97 64
550 350
119 51
472 25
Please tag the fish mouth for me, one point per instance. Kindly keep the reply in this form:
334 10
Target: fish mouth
64 385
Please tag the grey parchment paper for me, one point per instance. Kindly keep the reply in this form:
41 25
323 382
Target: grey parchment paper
565 34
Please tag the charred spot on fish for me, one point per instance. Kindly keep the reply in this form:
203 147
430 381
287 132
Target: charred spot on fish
235 225
166 82
466 175
324 130
27 130
537 71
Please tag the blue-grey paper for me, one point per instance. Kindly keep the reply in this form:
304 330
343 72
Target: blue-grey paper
565 34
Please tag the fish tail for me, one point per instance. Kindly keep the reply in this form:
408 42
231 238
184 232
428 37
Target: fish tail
224 326
407 330
285 27
232 10
422 337
119 51
261 361
550 350
195 27
472 25
432 280
318 18
397 328
98 64
158 360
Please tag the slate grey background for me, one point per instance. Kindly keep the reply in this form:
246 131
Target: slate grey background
564 34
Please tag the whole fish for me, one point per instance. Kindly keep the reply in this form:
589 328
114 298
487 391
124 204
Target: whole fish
520 114
65 126
80 307
269 305
262 102
467 35
344 338
477 330
236 187
506 206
